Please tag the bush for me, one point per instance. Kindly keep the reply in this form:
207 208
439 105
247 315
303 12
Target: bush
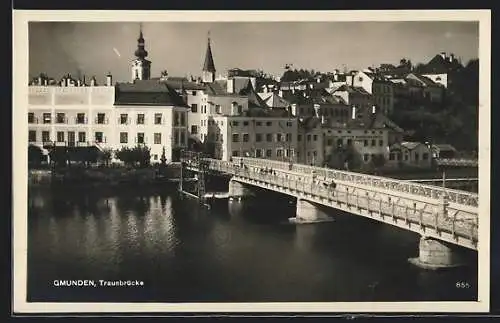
132 156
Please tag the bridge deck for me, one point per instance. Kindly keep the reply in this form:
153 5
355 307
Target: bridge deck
401 203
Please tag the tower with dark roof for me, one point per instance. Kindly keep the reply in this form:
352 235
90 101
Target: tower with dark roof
208 72
141 67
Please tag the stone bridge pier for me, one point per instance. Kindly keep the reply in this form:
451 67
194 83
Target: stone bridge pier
309 212
436 254
239 191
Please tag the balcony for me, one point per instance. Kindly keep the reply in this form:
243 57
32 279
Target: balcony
104 121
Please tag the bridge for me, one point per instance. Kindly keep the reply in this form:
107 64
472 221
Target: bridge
446 219
457 162
468 184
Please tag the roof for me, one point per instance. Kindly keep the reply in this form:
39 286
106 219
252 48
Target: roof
181 83
209 65
147 92
352 89
273 100
410 144
443 147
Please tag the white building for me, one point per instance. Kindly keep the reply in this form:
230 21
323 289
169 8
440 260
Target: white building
143 112
414 154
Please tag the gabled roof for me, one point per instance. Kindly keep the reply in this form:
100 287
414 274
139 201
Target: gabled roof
443 147
273 100
147 92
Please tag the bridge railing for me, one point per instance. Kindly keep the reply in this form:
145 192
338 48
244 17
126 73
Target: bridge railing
457 162
427 218
430 191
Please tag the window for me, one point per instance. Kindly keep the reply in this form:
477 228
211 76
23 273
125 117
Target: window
269 153
183 119
374 142
176 137
194 129
31 117
100 118
329 142
183 138
157 138
299 137
245 123
366 157
315 153
60 117
288 123
157 118
60 136
288 137
258 123
236 153
279 137
194 107
258 153
315 137
140 118
155 157
406 156
193 93
45 136
279 152
123 137
365 143
81 136
425 156
246 137
308 137
236 137
240 109
339 142
258 137
269 123
349 142
269 137
98 137
218 109
381 142
80 118
123 118
32 136
391 156
236 123
140 137
47 118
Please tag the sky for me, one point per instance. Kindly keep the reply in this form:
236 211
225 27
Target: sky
95 48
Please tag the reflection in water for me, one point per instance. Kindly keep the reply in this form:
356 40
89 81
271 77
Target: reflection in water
239 252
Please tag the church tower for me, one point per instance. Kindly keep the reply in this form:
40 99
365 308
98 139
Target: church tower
141 67
208 72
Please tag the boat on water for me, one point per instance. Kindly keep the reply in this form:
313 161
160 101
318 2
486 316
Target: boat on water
294 220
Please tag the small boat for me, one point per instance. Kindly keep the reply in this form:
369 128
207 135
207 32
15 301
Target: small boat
294 220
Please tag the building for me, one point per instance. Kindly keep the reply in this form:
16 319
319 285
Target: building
443 151
83 116
354 96
413 154
378 86
423 87
270 137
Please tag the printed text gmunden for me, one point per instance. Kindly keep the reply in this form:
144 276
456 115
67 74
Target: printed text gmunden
97 283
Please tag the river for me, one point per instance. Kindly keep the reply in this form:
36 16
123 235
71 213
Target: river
231 253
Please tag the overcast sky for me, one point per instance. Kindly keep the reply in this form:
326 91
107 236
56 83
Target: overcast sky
57 48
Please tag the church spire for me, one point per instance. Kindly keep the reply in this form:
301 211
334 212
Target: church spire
208 70
140 52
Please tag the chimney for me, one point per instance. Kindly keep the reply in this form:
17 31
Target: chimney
443 55
294 109
293 90
109 79
374 109
40 80
311 86
265 89
353 112
66 80
316 110
84 81
323 119
230 85
46 82
93 81
280 93
452 57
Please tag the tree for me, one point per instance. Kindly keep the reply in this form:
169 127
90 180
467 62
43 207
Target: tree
34 156
163 158
139 155
106 155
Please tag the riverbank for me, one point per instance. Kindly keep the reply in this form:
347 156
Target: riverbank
104 176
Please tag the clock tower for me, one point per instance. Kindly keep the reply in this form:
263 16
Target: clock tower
141 67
